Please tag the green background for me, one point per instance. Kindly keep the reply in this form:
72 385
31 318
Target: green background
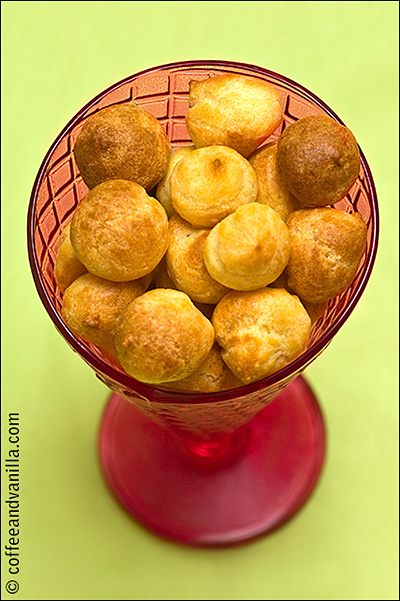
76 543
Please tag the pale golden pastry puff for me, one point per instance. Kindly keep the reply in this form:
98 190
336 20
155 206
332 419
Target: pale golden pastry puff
318 160
92 305
119 232
315 311
122 142
162 337
210 183
213 375
185 262
271 190
327 246
67 266
232 110
248 249
163 192
260 331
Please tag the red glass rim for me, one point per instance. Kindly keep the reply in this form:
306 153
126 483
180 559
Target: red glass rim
147 390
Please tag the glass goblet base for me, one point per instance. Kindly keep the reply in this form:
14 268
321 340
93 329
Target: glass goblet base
199 503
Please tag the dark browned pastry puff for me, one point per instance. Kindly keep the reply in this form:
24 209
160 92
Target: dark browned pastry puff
122 142
327 246
318 160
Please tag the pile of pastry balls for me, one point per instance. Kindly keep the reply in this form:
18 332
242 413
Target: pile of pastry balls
202 269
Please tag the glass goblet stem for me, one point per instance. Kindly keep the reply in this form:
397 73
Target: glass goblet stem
217 453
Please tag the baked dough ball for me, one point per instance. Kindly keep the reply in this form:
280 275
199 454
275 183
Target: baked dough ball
185 262
92 305
260 331
318 160
163 192
162 337
327 246
271 190
213 375
210 183
232 110
248 249
119 232
122 142
67 266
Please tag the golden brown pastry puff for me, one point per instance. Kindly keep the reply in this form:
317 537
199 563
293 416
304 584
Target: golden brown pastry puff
162 337
210 183
185 262
260 331
67 266
248 249
233 110
327 246
271 190
318 160
119 232
163 192
213 375
92 305
122 142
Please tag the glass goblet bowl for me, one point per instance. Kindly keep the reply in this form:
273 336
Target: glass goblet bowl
204 469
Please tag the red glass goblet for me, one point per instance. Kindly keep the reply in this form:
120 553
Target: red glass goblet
202 469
